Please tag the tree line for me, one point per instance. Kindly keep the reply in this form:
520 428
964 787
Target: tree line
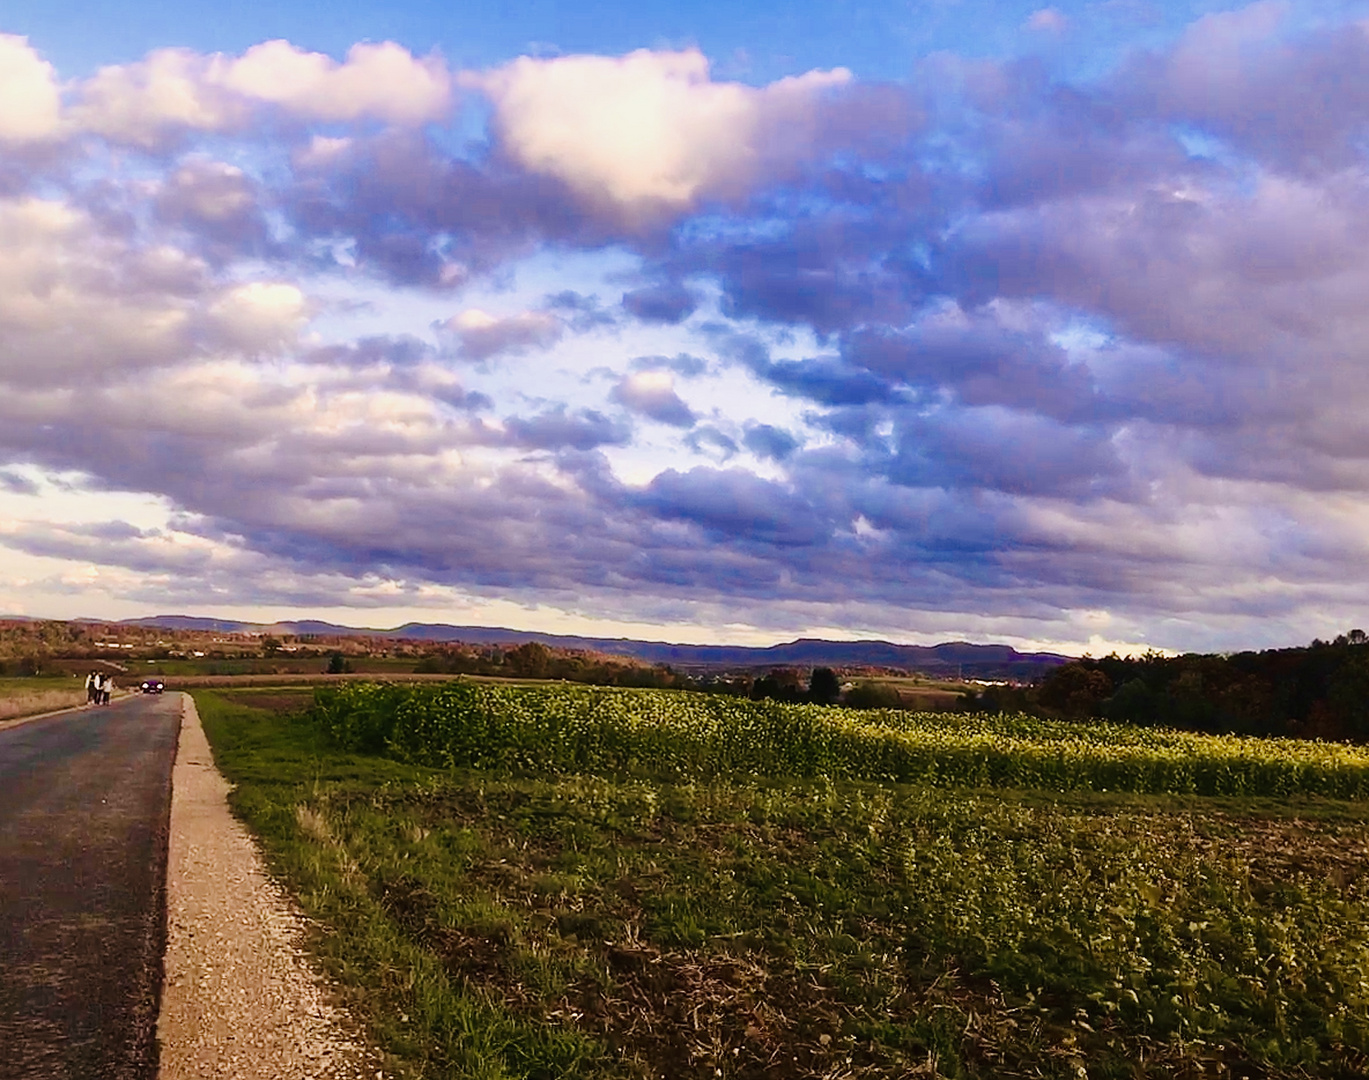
1319 690
533 660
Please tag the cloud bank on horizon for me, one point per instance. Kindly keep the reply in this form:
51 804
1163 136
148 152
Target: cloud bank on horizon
1009 348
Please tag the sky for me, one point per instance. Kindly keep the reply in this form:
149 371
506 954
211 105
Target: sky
706 322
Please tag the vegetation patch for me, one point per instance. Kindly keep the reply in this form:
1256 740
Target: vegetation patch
33 695
661 732
497 922
273 699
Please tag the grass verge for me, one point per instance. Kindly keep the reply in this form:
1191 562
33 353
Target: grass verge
491 924
31 696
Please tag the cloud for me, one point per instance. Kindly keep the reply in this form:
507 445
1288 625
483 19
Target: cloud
79 302
827 380
1018 453
683 365
710 441
559 429
652 394
175 90
380 81
734 505
581 313
980 360
17 483
413 215
1085 354
661 303
1297 100
769 441
260 315
30 101
217 206
144 102
1047 20
651 131
479 335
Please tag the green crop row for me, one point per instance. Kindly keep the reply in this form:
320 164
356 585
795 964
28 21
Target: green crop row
583 729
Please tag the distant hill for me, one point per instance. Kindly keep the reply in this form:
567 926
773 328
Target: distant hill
191 622
950 658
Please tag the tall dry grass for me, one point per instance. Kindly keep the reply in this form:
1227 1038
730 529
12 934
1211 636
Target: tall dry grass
30 702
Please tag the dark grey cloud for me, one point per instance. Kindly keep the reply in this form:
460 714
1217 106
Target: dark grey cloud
683 364
415 215
768 441
981 361
557 429
665 303
828 380
709 440
580 312
1018 453
733 505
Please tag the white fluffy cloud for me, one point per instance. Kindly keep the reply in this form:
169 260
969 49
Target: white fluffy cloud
380 81
650 129
260 315
174 89
30 105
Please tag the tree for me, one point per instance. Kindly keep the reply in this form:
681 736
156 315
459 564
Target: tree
338 665
823 686
873 695
531 660
1075 689
270 645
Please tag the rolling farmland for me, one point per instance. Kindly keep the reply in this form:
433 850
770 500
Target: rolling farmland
556 881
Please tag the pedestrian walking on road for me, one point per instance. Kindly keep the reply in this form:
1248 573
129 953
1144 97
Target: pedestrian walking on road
90 688
107 689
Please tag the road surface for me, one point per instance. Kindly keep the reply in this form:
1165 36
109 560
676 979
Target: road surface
84 805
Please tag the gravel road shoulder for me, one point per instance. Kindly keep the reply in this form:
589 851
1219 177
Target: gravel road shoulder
239 1000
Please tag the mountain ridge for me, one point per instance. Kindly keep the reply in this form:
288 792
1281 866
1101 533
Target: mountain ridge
961 657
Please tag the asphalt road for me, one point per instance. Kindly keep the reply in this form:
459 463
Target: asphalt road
85 800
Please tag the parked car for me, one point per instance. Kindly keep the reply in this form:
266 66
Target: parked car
152 685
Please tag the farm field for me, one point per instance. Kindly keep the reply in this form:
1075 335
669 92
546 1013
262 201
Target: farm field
695 916
918 692
282 665
566 728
